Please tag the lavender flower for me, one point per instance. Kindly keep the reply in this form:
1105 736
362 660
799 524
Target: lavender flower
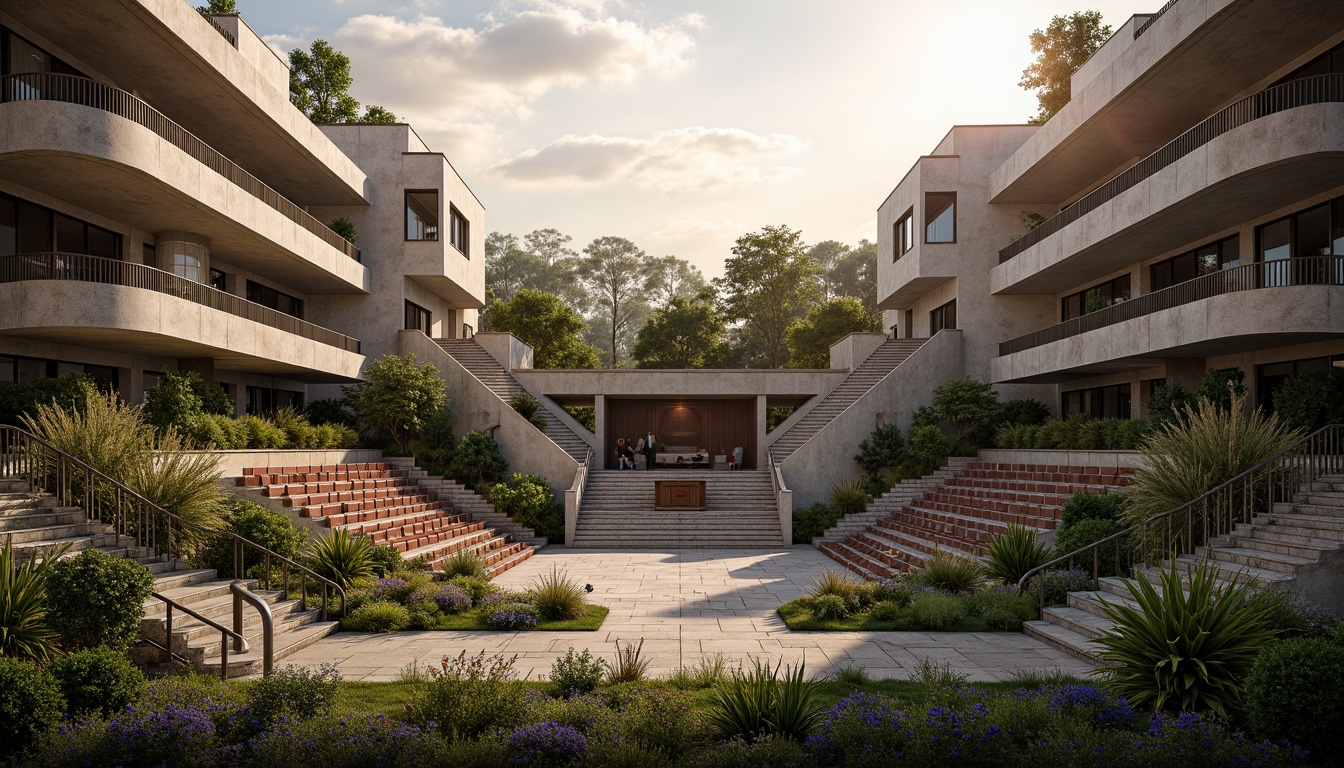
547 744
452 598
513 616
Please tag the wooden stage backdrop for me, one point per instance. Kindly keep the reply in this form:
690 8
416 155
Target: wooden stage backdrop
717 425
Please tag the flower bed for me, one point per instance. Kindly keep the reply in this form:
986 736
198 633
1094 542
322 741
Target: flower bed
906 603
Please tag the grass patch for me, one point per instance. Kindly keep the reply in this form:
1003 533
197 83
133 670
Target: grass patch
798 616
474 619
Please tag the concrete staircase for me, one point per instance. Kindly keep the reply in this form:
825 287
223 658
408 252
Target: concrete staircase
394 504
618 511
960 511
1274 550
892 502
881 362
474 358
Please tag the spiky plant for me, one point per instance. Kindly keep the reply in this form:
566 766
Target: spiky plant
464 562
341 557
849 498
103 432
1015 552
952 571
834 582
629 667
24 633
557 596
762 704
1187 651
184 482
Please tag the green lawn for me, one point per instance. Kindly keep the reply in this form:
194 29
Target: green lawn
798 617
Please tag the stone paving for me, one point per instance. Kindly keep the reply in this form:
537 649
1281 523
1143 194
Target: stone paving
688 605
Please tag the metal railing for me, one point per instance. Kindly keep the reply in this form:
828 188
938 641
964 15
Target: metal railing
1310 270
72 89
242 594
1214 513
1298 93
225 635
226 34
96 269
1148 22
146 525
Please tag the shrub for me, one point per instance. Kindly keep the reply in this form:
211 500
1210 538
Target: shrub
475 587
1091 506
936 611
858 729
30 705
928 447
1311 400
1295 691
174 402
468 696
529 408
972 407
437 441
258 525
884 448
69 392
1167 401
1015 552
385 560
577 672
477 462
345 228
848 499
547 744
25 631
1023 413
358 740
177 736
886 610
558 597
465 562
836 582
98 681
341 557
1002 608
529 501
629 667
760 704
954 572
96 599
102 432
830 608
1291 615
295 692
811 522
329 411
378 616
1085 532
1058 583
262 433
1184 651
513 615
398 397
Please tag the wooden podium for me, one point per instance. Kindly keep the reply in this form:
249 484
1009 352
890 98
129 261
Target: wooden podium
679 494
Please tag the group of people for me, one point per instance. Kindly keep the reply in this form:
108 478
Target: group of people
626 450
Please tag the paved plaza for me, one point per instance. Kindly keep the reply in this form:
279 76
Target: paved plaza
687 605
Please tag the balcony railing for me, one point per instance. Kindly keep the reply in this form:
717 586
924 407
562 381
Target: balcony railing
1311 270
71 89
1148 22
1298 93
224 32
96 269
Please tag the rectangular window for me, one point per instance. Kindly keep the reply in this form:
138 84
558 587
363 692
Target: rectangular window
264 400
9 227
1205 260
940 217
147 255
70 235
1110 402
903 235
943 317
270 297
459 231
218 280
1092 299
422 214
34 228
418 318
188 266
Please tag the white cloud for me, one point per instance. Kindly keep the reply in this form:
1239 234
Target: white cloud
693 159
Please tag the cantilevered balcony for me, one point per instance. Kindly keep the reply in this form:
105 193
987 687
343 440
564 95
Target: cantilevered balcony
1261 153
1258 306
105 150
115 305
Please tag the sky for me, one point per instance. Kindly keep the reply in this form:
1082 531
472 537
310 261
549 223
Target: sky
682 124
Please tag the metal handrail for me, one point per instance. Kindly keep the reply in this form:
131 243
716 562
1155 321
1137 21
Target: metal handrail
225 634
96 269
226 34
73 89
106 501
1235 501
1319 89
1139 30
1307 270
240 594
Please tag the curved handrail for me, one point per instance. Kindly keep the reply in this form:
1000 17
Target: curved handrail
1276 98
83 268
242 594
75 89
225 634
1139 30
1323 452
22 452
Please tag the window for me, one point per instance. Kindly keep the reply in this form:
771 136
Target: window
943 317
422 214
940 217
262 400
1270 377
903 235
1111 402
29 228
1205 260
188 266
1316 231
25 369
218 280
1092 299
1330 62
270 297
147 255
418 318
459 231
9 227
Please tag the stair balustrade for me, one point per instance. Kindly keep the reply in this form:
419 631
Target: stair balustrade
225 635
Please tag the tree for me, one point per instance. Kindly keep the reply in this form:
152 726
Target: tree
548 244
319 85
614 272
810 338
219 8
767 282
970 404
686 334
854 274
398 397
827 253
550 325
1060 49
509 268
670 278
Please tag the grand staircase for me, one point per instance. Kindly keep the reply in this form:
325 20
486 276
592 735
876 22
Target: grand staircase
475 359
881 362
618 511
396 505
1272 550
958 510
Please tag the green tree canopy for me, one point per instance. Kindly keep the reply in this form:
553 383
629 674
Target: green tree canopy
688 333
398 397
810 338
614 272
219 8
767 283
547 323
669 277
1061 48
319 85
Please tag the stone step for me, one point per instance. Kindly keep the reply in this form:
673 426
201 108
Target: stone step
1254 558
856 561
1315 510
39 518
1326 525
1077 620
250 664
1064 639
1311 537
1249 541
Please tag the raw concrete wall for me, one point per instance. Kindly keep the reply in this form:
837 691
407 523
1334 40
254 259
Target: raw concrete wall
1121 459
850 352
232 463
827 458
508 350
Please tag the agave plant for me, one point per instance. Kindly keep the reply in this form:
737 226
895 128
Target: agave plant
24 633
341 557
760 704
1186 651
1015 552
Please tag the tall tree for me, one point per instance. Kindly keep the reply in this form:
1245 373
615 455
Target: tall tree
811 337
1061 48
827 253
509 268
613 271
854 274
319 85
551 326
548 244
219 8
767 282
688 333
670 278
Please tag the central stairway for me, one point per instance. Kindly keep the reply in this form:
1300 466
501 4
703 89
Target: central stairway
617 511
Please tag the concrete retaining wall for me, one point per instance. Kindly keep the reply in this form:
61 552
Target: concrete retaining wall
232 463
1122 459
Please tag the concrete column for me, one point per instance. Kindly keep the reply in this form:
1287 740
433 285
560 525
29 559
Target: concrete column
170 244
600 429
761 413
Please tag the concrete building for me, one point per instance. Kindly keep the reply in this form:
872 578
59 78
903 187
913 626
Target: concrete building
1189 212
163 207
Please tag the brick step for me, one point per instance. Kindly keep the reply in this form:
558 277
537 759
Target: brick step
990 508
506 563
1054 478
335 487
421 534
855 561
313 499
893 556
1026 486
456 541
933 536
337 515
432 517
480 542
660 543
985 519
